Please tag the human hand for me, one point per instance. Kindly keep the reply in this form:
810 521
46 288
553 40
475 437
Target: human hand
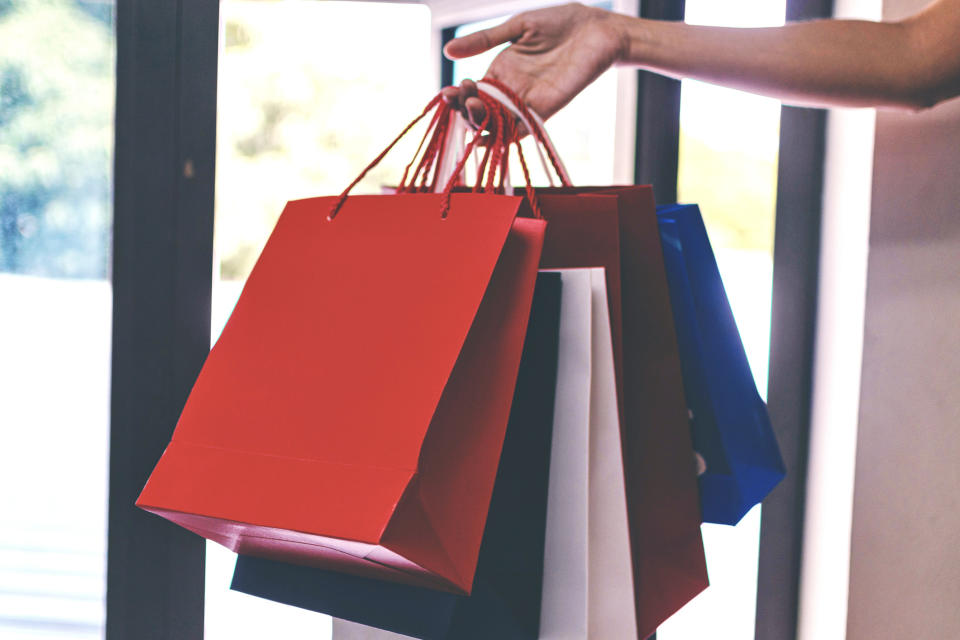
556 53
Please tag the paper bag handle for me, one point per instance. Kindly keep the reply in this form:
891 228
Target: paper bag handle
532 120
506 133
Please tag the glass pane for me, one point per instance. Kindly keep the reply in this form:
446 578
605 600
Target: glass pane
583 131
56 144
729 143
308 94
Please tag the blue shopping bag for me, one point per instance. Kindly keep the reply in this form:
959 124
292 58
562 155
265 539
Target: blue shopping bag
505 600
729 421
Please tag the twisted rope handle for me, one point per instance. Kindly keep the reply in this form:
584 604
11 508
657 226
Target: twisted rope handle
531 192
426 164
505 134
338 204
534 123
402 186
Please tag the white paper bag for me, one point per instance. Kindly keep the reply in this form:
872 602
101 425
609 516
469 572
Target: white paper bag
611 612
563 608
347 630
588 585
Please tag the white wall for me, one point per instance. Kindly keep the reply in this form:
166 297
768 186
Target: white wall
836 380
905 544
844 250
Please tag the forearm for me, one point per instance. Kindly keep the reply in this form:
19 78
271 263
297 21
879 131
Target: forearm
818 63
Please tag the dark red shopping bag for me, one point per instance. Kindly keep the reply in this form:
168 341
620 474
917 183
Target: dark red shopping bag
352 414
616 228
662 498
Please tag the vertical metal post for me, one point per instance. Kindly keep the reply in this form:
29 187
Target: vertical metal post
796 258
162 266
446 64
658 116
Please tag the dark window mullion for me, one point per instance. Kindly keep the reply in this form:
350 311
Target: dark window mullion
162 266
796 257
658 117
446 64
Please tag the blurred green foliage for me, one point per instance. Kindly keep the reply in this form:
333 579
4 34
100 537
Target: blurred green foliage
56 137
736 191
304 104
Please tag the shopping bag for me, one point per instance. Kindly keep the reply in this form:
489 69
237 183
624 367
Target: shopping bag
588 583
610 613
352 413
729 421
667 549
505 600
616 228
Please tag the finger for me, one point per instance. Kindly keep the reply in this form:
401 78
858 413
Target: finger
474 43
469 89
455 97
451 95
476 111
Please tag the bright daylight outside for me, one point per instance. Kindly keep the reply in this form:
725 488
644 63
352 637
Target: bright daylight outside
56 142
305 101
729 144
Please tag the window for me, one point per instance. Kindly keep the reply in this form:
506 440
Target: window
56 145
308 94
306 100
729 144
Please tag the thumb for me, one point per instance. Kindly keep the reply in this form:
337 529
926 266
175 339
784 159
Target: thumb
474 43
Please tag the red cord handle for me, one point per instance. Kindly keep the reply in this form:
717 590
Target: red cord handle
430 128
537 131
343 196
504 133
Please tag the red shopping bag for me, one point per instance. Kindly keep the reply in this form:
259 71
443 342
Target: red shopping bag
616 228
662 498
352 414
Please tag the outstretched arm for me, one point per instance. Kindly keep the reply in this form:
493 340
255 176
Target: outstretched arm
556 52
914 63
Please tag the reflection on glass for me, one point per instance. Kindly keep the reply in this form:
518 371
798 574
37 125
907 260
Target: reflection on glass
308 94
56 141
729 143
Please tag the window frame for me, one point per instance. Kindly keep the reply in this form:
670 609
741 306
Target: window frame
657 141
162 280
793 325
162 270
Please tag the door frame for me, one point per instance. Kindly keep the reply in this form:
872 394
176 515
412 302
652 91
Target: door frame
162 267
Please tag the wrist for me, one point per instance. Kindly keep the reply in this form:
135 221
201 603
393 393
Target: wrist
615 30
618 27
636 35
